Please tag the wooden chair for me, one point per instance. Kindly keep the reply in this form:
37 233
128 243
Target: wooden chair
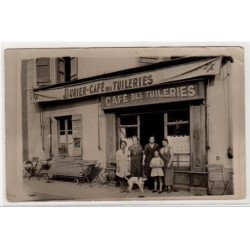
86 175
31 167
109 173
216 177
96 174
46 166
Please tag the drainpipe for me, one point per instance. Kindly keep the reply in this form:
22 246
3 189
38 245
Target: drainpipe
98 123
228 83
42 126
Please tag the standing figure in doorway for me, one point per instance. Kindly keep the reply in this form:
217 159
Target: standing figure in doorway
123 165
148 155
157 173
136 158
167 155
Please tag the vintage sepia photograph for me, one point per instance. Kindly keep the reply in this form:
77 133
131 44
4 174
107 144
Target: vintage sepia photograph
125 124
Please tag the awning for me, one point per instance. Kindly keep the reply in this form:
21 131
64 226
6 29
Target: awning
205 67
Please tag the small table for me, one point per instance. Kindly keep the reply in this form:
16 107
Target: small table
32 168
87 167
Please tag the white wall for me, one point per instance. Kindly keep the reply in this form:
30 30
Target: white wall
33 116
217 100
89 111
225 110
93 66
237 92
217 110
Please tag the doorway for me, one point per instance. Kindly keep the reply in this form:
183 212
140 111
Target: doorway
65 138
151 124
69 131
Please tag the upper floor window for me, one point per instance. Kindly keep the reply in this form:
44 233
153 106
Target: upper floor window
56 70
42 71
66 69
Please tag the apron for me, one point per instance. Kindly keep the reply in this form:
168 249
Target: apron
168 172
123 163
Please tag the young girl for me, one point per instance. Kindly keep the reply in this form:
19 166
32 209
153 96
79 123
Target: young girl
157 173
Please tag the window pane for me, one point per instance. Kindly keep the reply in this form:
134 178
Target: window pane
69 123
128 120
178 115
62 124
74 68
128 132
179 129
180 145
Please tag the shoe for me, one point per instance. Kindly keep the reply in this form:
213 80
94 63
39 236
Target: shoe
169 191
159 192
154 191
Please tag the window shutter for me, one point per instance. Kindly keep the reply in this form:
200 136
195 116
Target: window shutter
111 133
54 136
197 138
42 71
77 135
60 70
74 68
47 137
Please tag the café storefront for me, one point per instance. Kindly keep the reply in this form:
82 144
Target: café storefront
165 100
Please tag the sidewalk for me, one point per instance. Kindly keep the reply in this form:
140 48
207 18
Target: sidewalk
60 190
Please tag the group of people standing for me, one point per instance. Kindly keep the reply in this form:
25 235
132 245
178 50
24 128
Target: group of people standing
152 162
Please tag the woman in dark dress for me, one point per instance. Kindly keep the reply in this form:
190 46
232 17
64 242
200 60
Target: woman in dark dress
167 155
148 155
136 158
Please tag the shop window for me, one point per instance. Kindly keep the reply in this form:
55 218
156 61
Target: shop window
128 126
67 69
178 131
128 120
42 71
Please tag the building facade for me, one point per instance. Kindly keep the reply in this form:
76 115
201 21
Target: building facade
83 106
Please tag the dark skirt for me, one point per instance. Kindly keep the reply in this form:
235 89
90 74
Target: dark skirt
136 166
169 176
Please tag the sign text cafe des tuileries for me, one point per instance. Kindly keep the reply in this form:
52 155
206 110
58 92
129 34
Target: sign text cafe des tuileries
154 78
173 93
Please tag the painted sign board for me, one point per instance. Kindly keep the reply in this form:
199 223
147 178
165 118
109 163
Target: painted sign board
174 93
136 81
